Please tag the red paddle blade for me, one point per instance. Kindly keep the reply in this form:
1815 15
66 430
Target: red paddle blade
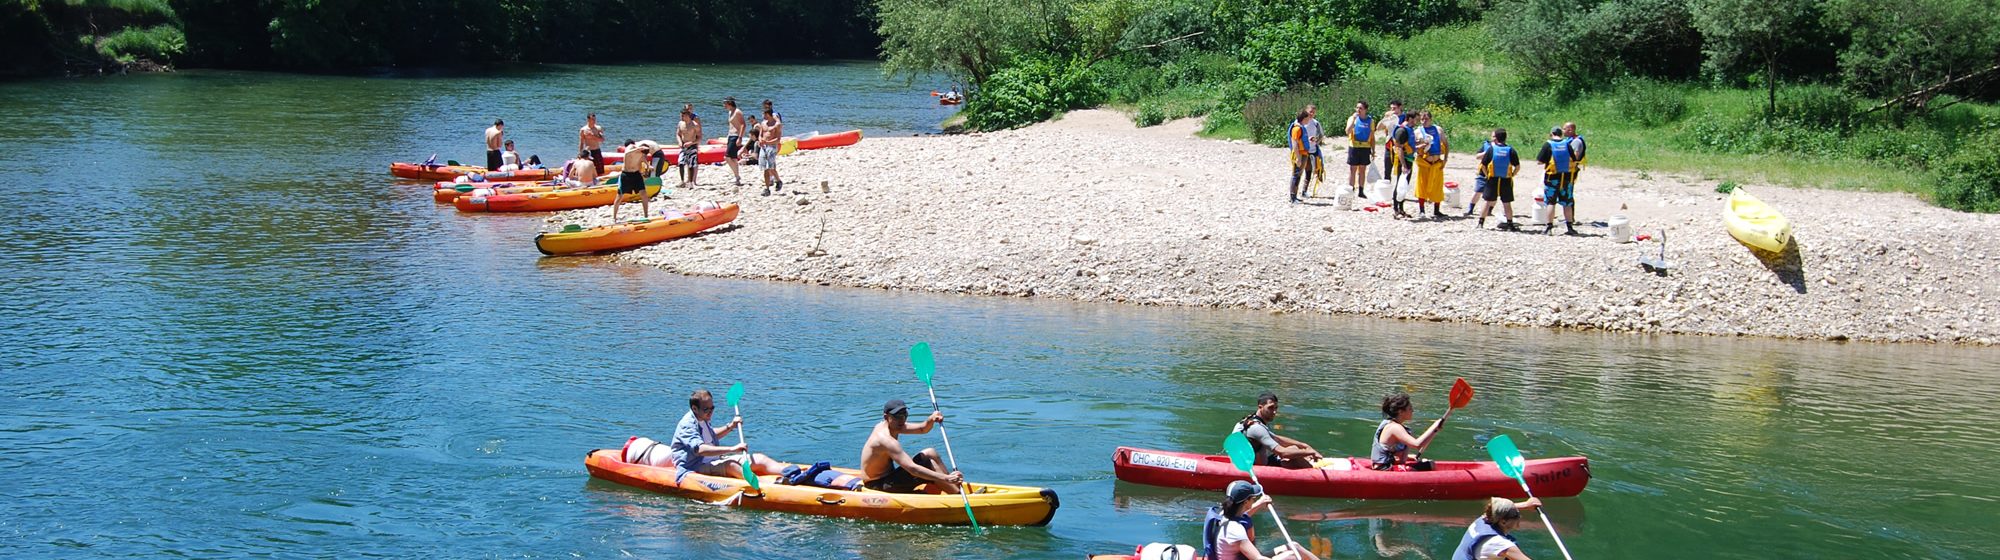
1461 393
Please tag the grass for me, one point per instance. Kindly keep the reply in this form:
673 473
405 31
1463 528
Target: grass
1653 128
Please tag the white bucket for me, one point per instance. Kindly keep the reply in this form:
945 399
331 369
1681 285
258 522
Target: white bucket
1621 229
1379 190
1343 199
1451 195
1542 211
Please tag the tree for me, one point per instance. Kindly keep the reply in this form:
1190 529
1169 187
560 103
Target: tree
1741 34
1900 46
965 39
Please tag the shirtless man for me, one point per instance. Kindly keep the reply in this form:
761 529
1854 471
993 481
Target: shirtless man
590 139
493 142
767 148
582 172
887 468
734 146
689 134
633 178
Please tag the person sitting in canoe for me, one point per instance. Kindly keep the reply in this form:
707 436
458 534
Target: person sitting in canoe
889 469
1225 531
1272 449
580 172
1394 448
1490 537
694 447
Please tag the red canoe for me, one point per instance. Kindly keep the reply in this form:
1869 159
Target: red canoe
1351 478
450 172
834 140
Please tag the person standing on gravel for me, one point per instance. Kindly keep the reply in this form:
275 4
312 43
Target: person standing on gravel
688 132
1497 165
772 133
1399 152
1434 150
1360 147
1559 184
1301 151
733 147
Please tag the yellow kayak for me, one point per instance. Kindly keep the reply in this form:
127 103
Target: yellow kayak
995 504
1755 223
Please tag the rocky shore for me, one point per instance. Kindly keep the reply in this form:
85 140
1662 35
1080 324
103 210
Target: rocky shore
1090 208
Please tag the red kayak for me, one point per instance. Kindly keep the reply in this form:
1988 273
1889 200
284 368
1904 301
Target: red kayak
450 172
1351 477
834 140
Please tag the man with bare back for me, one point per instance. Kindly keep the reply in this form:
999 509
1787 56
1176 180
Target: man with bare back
493 141
582 172
590 139
888 468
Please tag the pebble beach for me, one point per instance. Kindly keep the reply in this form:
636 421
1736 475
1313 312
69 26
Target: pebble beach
1090 208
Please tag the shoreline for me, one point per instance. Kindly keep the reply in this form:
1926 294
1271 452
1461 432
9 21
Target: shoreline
1090 208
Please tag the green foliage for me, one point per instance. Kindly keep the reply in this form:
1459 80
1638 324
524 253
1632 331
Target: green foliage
1742 37
1150 113
965 39
1816 106
159 43
1970 179
1647 102
1895 46
1725 187
1269 116
1035 89
1585 44
1292 52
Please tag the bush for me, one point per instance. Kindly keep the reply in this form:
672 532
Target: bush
1818 106
1970 179
1034 89
1648 103
159 43
1149 114
1296 52
1269 115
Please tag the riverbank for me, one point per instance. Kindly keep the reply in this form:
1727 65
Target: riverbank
1090 208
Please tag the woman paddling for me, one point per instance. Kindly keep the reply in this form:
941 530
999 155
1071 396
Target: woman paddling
1225 532
1490 537
1394 447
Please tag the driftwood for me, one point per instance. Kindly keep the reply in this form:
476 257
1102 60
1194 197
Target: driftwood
1927 92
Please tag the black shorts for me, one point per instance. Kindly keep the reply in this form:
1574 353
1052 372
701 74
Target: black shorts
899 480
493 160
1499 188
597 158
1360 156
734 145
631 182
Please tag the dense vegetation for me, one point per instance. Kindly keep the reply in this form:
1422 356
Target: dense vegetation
85 36
1867 94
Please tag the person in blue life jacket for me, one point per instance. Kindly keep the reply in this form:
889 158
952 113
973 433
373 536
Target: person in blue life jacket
1399 152
1225 530
1490 537
1360 134
1559 158
1498 162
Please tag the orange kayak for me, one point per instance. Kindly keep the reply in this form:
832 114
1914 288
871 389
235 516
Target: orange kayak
633 234
834 140
992 504
567 199
445 194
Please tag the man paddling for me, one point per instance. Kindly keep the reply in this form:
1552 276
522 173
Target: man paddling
494 139
694 446
889 469
1490 537
1274 450
689 134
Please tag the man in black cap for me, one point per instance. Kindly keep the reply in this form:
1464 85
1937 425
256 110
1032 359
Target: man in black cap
888 468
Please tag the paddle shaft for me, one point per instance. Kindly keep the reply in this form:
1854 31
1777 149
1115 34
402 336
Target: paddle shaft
954 461
739 435
1545 520
1280 520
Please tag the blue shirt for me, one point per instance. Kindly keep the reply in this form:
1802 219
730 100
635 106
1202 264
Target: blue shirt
689 436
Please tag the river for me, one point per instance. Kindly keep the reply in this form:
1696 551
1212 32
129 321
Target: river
231 333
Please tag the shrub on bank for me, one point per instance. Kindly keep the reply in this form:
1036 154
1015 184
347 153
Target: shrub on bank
1970 179
1035 89
1648 103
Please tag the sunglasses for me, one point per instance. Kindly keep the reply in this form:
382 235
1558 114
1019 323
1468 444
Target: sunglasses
709 408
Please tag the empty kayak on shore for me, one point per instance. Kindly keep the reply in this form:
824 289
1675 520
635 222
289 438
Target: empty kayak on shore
568 199
1755 223
834 140
633 234
786 146
432 172
992 504
1351 477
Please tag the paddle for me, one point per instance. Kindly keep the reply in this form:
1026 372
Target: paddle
735 398
1510 461
1245 459
1461 393
926 366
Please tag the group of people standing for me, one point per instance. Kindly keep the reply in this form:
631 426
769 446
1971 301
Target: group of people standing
1414 150
1393 447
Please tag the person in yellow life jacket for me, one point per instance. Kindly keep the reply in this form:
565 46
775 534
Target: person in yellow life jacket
1433 150
1360 147
1399 152
1300 142
1559 181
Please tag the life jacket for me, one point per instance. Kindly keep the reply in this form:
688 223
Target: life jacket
1296 138
1363 135
1384 456
641 451
1582 151
1502 161
1560 160
1475 537
1437 139
1264 456
1211 529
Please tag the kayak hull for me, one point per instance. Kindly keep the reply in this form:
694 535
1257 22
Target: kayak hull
1755 223
446 192
1350 478
835 140
992 504
630 234
568 199
431 172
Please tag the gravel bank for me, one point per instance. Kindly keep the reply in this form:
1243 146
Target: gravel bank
1090 208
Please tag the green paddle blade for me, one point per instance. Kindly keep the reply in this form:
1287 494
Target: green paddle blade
1240 453
750 476
1506 456
920 358
735 395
